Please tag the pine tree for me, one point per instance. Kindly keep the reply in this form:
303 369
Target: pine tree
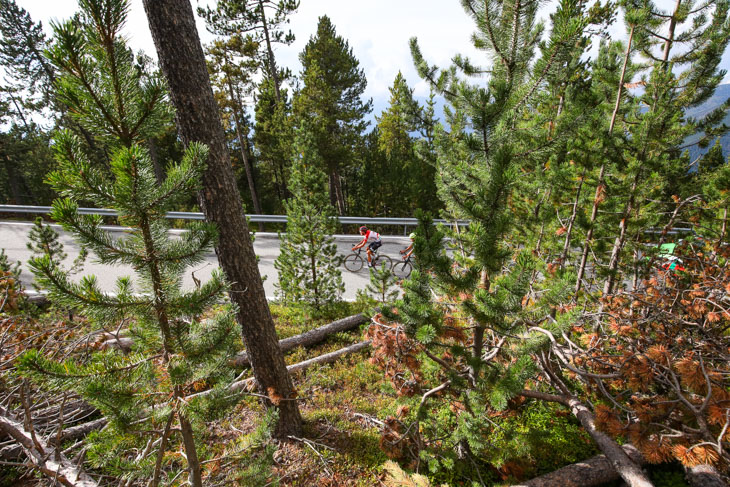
175 349
6 266
25 159
273 138
21 50
24 93
43 240
231 65
307 265
468 312
714 176
684 46
250 30
166 322
383 285
10 286
330 102
261 22
407 182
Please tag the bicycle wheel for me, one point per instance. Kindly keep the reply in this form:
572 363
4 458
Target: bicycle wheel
402 269
378 261
353 262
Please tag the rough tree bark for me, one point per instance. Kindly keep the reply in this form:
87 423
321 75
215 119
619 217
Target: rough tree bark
592 472
705 476
172 24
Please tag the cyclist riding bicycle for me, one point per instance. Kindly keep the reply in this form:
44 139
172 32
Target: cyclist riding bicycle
408 250
373 238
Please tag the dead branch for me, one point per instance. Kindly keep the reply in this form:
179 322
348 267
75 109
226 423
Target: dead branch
43 455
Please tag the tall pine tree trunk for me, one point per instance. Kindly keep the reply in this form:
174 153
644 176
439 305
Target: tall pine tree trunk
156 164
244 150
270 54
600 190
620 240
182 61
571 222
602 173
339 197
618 244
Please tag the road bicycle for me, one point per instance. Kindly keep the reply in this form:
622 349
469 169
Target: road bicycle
403 268
355 261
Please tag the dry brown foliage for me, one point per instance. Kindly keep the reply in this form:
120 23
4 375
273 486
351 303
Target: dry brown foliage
666 349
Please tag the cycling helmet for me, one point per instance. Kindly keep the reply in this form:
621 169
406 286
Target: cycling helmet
363 229
412 236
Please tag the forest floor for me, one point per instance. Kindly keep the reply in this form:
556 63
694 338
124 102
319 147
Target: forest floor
344 405
340 445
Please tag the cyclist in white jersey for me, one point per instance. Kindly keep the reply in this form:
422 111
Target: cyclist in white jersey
369 237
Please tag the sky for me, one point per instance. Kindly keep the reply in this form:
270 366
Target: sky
377 30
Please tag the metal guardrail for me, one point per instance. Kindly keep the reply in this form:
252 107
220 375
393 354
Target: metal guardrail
182 215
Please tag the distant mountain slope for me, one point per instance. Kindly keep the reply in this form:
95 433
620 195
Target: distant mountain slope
722 93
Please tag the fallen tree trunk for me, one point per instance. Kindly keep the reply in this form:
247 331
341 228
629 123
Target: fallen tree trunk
44 457
589 473
73 410
15 451
306 339
322 359
705 476
311 337
629 470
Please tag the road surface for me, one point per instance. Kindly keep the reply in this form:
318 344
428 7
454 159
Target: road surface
14 236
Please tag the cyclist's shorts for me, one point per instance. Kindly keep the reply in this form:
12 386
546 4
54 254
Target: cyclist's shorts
375 245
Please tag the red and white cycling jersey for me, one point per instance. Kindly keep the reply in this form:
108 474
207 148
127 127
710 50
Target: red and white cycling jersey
371 236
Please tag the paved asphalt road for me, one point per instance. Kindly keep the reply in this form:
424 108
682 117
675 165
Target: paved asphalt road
14 235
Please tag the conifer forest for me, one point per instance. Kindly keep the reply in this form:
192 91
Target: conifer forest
558 317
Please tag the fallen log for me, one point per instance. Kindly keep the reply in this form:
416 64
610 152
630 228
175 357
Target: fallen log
74 409
15 451
306 339
44 457
322 359
311 337
705 476
629 470
589 473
